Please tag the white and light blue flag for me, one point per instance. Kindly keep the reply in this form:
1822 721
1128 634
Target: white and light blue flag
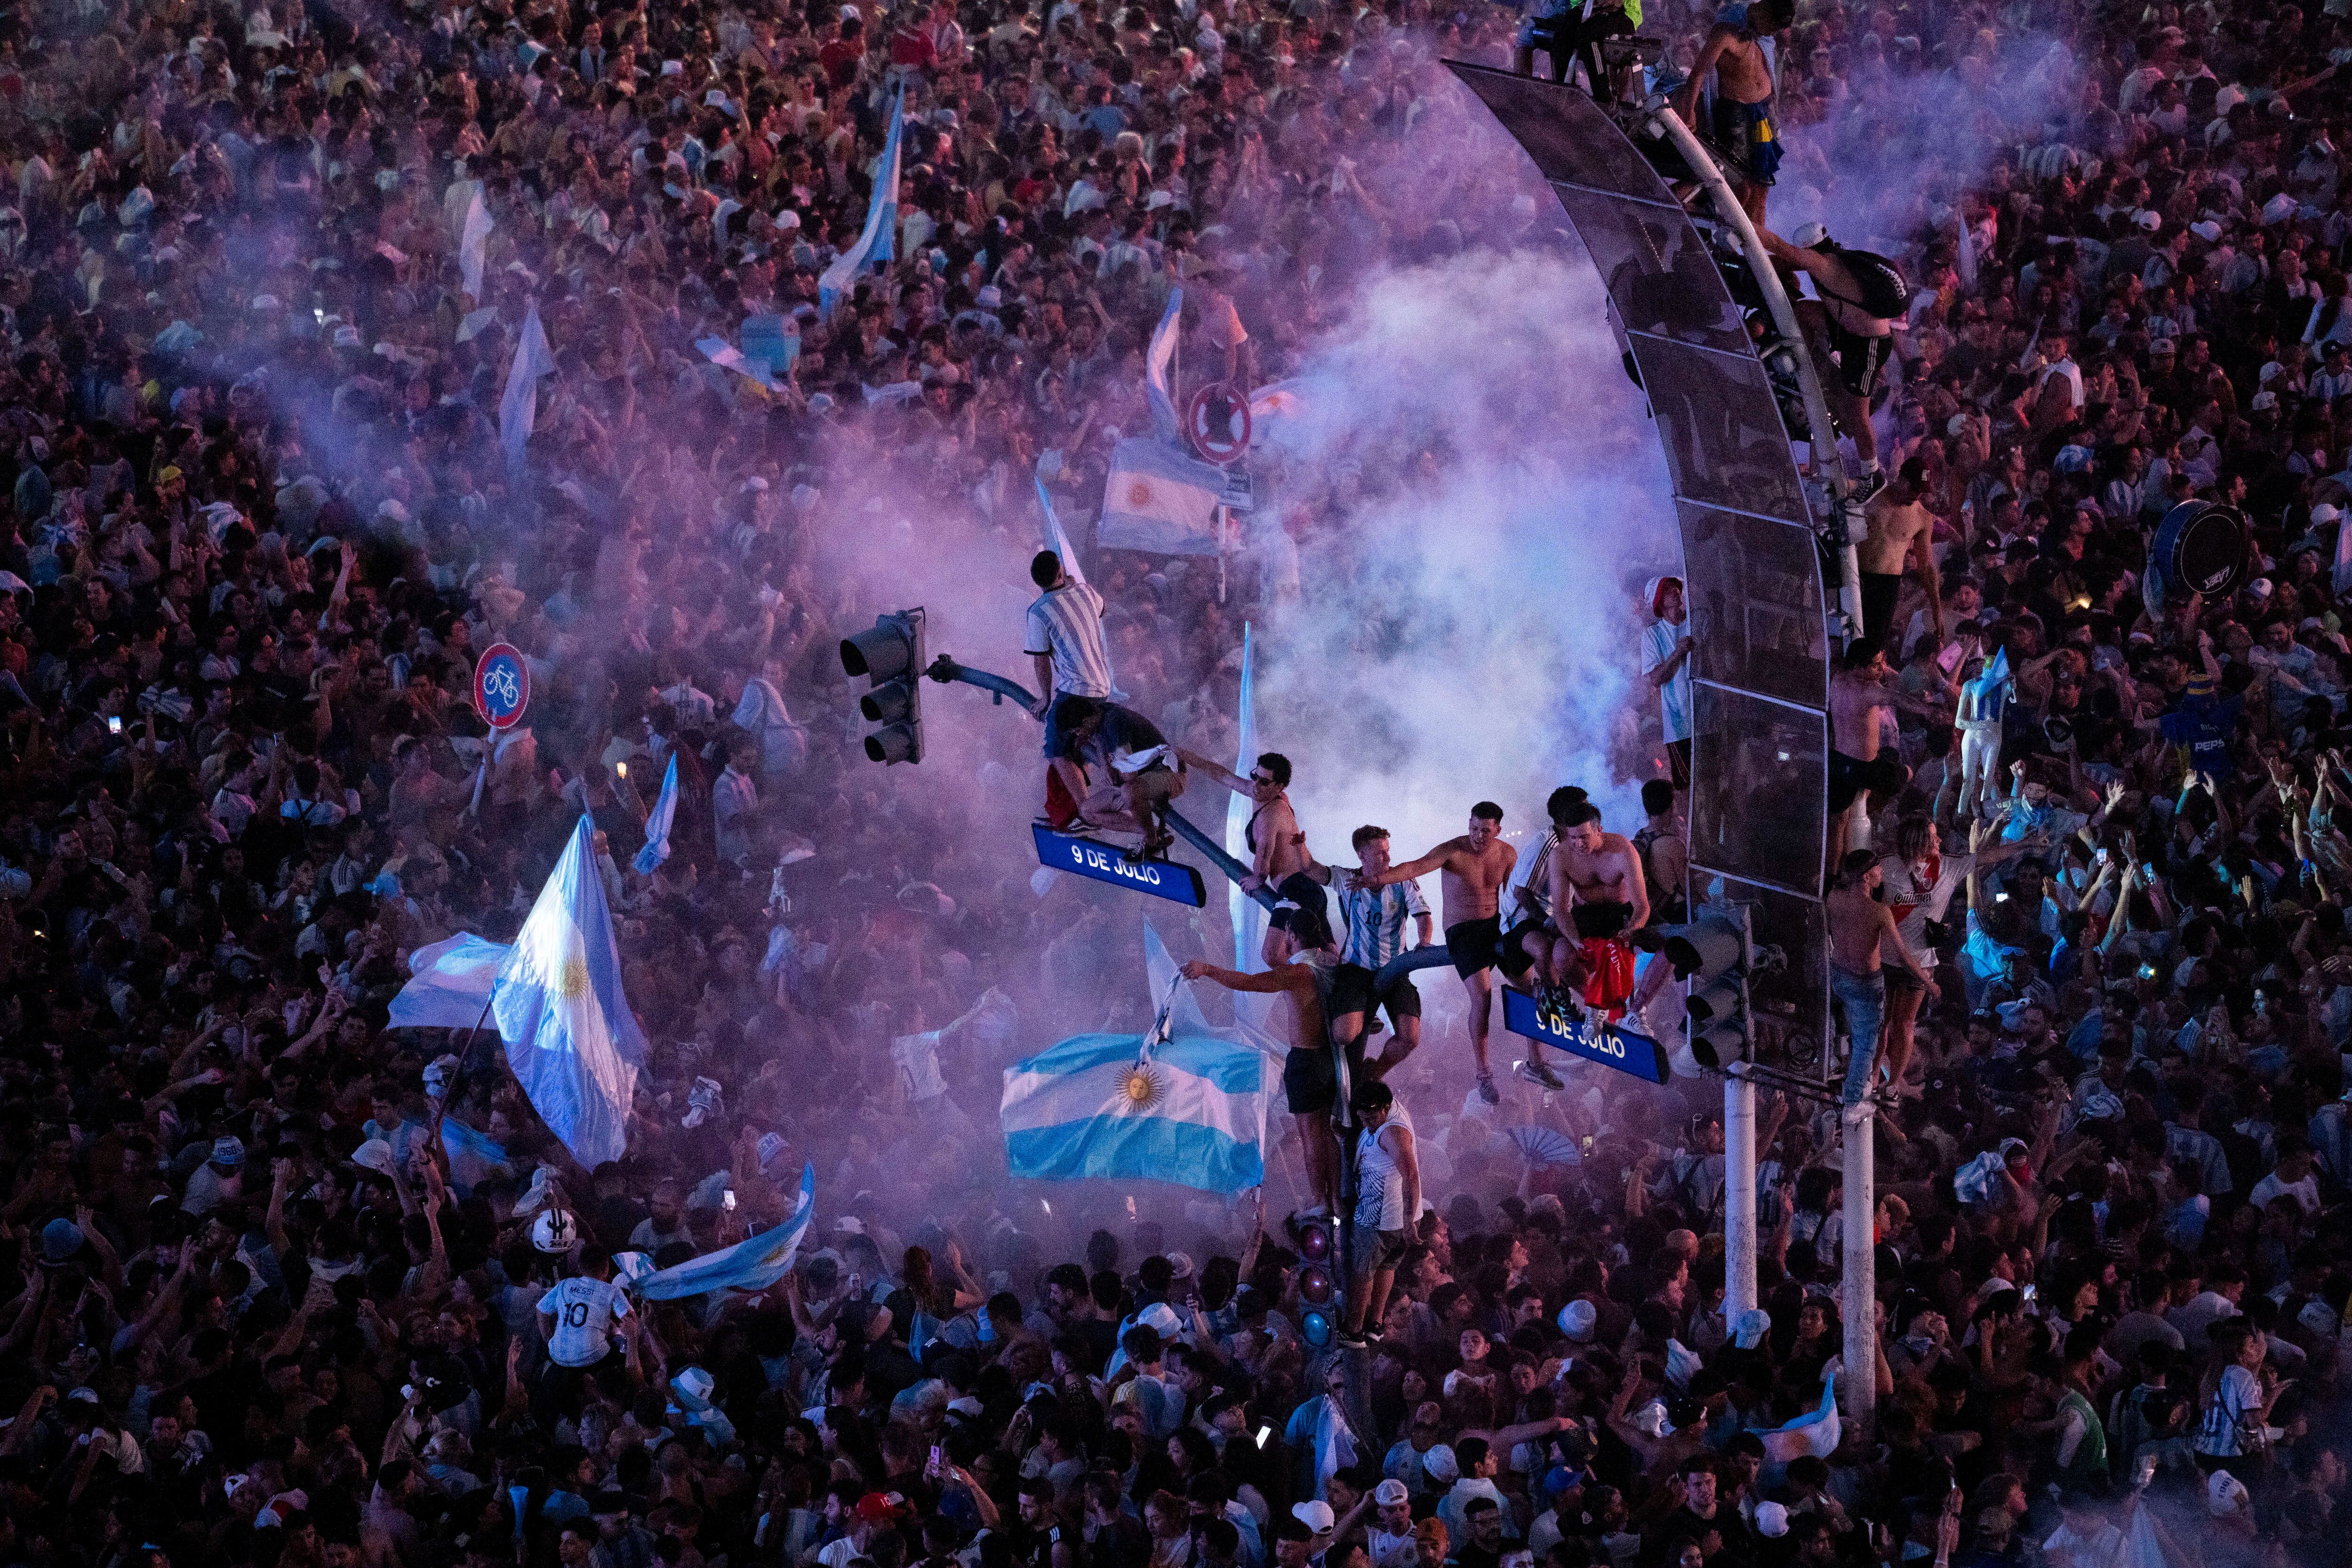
574 1046
753 1264
519 405
449 984
1159 501
658 822
1158 363
1191 1111
877 242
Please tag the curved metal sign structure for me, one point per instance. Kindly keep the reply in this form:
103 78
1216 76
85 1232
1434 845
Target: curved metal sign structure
1759 799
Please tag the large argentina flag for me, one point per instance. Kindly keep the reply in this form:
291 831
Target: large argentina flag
1192 1112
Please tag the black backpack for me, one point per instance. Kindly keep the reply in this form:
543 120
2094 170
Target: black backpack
1886 293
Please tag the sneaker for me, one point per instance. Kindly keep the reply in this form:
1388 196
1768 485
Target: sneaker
1868 485
1540 1075
1486 1090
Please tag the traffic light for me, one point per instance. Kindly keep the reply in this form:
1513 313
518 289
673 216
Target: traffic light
1715 953
891 656
1319 1287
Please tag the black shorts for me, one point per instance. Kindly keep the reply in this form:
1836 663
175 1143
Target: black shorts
1513 958
1859 358
1472 945
1850 776
1308 1083
1354 989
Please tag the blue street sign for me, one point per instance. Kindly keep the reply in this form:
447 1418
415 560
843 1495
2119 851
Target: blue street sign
1104 862
1611 1046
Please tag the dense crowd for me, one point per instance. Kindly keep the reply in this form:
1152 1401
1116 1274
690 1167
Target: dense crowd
289 1288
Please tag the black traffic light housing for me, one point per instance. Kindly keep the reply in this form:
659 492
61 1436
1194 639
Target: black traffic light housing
890 656
1715 951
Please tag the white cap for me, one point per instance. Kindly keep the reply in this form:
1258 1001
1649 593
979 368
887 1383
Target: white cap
1442 1466
1753 1324
1578 1319
2324 513
1316 1515
1771 1520
375 1155
1809 235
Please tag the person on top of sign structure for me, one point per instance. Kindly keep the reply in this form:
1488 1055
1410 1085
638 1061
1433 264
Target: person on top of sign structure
1374 920
1279 857
1066 648
1118 769
1477 866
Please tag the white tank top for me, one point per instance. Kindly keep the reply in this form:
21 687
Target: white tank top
1380 1180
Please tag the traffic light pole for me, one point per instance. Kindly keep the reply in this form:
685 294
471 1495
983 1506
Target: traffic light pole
1859 1286
1739 1153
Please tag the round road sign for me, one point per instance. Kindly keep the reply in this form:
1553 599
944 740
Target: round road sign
501 685
1218 421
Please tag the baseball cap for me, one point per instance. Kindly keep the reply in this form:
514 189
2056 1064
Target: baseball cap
1771 1520
1753 1325
1578 1319
1442 1466
876 1508
1316 1515
1389 1493
228 1151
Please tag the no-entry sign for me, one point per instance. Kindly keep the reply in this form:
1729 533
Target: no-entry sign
501 685
1218 421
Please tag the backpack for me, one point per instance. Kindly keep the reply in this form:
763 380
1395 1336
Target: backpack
1886 293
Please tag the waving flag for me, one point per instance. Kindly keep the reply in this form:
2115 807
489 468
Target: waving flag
1192 1112
1159 501
1059 542
1816 1432
474 241
451 983
878 240
473 1157
753 1264
570 1039
1159 360
1249 914
658 823
519 406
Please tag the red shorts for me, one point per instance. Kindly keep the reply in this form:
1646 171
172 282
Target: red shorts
1609 973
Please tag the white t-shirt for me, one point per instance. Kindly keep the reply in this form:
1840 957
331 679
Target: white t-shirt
586 1312
2304 1192
1674 697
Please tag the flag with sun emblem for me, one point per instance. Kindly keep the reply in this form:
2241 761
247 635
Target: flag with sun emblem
1191 1111
1159 501
573 1044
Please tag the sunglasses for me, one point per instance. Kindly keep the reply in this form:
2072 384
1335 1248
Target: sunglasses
1261 777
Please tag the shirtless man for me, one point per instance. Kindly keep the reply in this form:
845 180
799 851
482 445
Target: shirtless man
1278 857
1301 961
1843 324
1596 882
1902 533
1858 694
1743 129
1860 929
1476 865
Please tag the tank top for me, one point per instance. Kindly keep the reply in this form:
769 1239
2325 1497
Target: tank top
1380 1180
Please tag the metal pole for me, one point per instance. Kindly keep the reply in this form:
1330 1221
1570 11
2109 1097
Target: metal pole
1738 1197
1739 1149
1860 1285
1830 464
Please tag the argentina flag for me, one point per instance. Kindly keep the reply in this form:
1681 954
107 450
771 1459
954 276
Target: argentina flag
753 1264
1191 1111
573 1044
879 242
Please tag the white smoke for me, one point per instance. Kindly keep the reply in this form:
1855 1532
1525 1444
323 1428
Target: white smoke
1467 628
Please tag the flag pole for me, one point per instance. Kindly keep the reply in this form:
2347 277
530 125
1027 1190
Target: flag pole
456 1080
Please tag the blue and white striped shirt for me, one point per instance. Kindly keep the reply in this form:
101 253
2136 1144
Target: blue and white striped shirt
1376 919
1066 622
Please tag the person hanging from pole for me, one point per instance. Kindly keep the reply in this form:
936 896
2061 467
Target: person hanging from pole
1860 297
1861 927
1303 971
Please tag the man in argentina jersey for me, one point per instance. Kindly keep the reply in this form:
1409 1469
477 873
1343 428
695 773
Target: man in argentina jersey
1375 920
